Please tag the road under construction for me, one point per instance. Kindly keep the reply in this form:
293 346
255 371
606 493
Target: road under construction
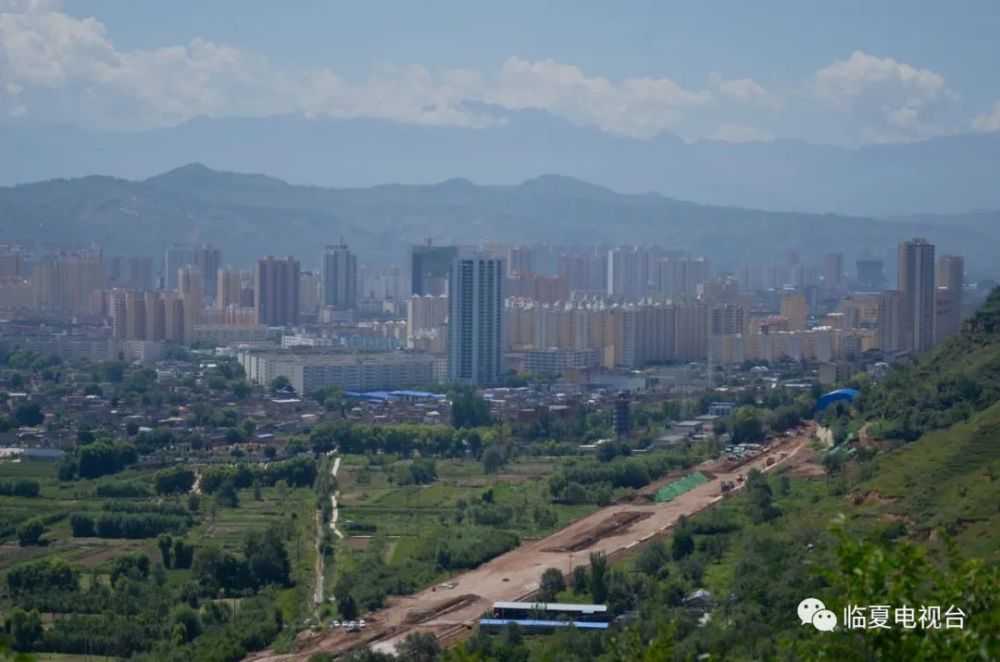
452 612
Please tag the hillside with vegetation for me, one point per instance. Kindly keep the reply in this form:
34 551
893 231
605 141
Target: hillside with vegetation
907 515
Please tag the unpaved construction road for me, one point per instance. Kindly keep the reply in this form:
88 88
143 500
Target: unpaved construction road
616 530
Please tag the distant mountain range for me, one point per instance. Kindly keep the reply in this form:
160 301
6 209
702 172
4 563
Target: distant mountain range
942 175
253 215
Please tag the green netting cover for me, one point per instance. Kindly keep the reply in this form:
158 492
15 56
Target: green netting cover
678 487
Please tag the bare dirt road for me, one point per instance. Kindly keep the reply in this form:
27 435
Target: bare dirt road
616 530
318 592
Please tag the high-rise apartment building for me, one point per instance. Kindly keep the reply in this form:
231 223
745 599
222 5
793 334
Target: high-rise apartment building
229 282
310 293
950 272
575 269
833 273
543 289
129 272
680 276
871 275
426 312
276 291
430 267
890 313
860 310
795 310
916 283
67 282
727 319
520 260
476 326
203 256
191 288
340 277
151 316
14 261
950 281
381 281
624 273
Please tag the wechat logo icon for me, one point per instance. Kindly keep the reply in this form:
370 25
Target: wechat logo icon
813 611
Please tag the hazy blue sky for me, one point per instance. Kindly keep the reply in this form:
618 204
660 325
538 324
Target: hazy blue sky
832 72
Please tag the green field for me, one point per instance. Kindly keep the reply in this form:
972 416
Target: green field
289 511
404 510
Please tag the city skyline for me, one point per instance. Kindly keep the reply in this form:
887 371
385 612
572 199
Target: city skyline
437 331
550 311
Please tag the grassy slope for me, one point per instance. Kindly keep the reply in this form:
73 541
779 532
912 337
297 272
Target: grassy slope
942 481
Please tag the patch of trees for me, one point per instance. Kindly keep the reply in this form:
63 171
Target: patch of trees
121 525
225 639
29 414
175 480
131 520
123 489
467 547
747 425
137 615
148 443
30 532
24 487
418 472
761 506
100 458
495 456
264 561
580 482
403 440
134 566
551 585
175 552
50 574
484 511
296 472
167 508
469 410
25 628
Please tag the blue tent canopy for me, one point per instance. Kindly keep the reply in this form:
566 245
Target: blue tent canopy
828 399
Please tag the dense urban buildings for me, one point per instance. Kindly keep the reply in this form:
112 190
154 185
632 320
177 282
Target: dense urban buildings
562 311
204 257
67 281
309 371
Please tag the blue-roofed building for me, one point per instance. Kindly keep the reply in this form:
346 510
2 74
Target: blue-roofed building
840 395
393 395
541 616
